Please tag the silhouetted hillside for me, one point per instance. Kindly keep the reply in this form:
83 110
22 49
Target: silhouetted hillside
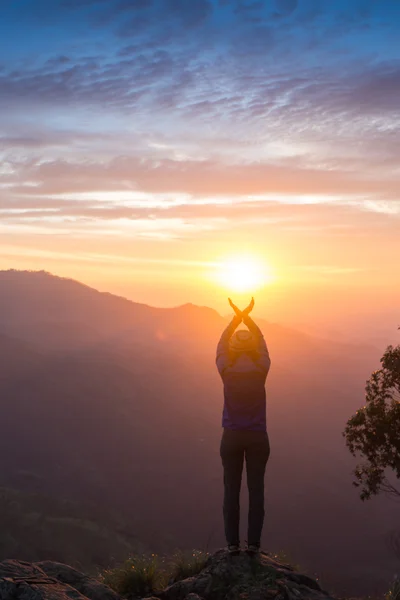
60 313
108 402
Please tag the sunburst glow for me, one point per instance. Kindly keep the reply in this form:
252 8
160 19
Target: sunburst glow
244 274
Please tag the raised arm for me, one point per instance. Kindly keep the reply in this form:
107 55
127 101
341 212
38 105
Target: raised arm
222 359
264 360
262 348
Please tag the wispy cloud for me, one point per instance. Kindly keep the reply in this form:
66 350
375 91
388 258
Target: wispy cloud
170 120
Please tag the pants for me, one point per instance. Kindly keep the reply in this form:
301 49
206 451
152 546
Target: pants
235 446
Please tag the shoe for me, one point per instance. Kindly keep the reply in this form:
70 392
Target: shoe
252 550
233 550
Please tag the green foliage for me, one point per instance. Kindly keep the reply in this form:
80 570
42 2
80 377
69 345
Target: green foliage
187 564
143 575
394 592
373 432
137 577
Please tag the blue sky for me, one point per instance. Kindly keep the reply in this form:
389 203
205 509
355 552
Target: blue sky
170 126
68 62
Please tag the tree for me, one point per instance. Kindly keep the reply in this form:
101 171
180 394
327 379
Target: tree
374 431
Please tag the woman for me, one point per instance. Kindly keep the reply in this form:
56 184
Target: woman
243 362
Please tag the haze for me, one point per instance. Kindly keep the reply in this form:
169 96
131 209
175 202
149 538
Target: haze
144 143
116 407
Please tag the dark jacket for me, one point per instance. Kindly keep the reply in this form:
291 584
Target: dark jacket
244 381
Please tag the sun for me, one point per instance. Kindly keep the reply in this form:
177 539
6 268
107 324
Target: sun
243 274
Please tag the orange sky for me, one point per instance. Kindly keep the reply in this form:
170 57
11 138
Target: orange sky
333 267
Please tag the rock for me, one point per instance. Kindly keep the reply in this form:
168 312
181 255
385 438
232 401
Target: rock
19 581
20 570
25 581
226 577
89 587
304 580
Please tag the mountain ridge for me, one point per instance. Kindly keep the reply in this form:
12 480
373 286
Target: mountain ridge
39 277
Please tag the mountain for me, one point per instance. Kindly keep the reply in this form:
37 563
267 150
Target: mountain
109 403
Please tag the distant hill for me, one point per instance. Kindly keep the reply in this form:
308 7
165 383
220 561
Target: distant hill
111 403
60 313
34 525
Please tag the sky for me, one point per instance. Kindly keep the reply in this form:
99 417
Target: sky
144 143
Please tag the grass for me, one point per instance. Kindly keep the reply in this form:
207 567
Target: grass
394 592
139 576
185 564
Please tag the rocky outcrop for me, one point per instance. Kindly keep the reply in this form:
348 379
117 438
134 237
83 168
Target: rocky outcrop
49 581
223 578
87 586
244 578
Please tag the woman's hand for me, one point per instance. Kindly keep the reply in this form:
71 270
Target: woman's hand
248 309
238 312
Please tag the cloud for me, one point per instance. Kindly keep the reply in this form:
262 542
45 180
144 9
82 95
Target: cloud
205 99
206 178
263 77
378 89
183 89
333 215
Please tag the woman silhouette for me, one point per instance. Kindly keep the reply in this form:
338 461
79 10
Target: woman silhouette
243 362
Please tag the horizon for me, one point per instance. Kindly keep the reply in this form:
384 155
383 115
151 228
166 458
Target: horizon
225 312
149 145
